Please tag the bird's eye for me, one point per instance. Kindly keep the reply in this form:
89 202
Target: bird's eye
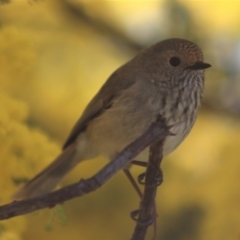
174 61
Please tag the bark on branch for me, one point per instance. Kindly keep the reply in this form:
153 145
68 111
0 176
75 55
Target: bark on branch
156 133
153 178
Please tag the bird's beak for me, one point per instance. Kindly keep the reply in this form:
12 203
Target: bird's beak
199 66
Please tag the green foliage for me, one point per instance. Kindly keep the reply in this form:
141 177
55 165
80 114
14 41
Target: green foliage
57 214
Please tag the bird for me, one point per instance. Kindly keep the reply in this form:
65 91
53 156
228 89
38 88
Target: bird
165 79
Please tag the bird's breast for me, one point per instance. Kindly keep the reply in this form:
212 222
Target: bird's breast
131 114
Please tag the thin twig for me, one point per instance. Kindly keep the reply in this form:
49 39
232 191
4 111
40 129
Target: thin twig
153 178
156 132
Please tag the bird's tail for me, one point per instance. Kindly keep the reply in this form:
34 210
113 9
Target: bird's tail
48 179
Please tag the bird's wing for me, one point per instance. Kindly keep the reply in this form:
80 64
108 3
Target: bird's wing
116 83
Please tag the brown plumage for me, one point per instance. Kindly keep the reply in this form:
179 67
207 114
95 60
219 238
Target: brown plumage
166 78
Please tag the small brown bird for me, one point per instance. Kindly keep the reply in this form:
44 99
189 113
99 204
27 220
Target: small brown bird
165 79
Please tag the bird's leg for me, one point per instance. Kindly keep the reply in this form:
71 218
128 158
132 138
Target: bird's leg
142 175
134 214
133 182
139 163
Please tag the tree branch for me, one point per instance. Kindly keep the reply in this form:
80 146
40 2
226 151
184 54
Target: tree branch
156 132
77 12
153 178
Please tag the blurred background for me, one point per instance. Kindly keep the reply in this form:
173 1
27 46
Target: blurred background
55 55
